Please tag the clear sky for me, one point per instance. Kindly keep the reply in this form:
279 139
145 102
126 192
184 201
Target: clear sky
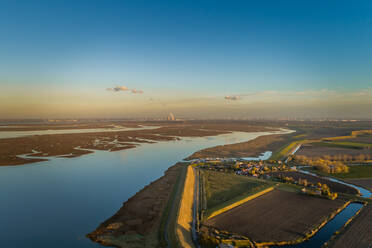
213 59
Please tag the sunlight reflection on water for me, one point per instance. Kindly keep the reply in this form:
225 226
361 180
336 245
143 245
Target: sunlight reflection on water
55 203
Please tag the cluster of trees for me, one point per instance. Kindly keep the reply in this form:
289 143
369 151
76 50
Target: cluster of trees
324 165
339 157
323 189
281 167
303 182
208 240
326 191
348 158
300 181
330 167
287 179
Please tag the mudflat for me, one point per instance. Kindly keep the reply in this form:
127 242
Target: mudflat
64 126
68 144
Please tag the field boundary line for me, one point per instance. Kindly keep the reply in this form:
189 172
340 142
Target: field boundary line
235 204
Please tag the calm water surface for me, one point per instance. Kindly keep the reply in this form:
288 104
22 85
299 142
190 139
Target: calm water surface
55 203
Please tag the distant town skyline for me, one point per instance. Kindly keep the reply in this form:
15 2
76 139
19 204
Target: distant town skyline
195 59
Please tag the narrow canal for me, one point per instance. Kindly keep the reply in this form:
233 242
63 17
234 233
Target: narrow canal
324 234
363 192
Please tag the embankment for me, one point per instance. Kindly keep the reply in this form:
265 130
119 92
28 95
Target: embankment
185 213
138 222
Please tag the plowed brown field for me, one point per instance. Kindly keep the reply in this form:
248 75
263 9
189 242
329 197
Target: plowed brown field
276 216
359 233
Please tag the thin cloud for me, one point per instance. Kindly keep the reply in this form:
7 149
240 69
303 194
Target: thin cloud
363 92
327 94
124 88
134 91
117 89
282 93
232 98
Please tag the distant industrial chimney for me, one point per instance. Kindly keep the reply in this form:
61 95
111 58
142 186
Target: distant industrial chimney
171 117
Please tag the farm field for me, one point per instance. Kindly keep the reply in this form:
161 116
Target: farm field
280 145
359 232
222 189
366 139
342 144
350 144
313 130
276 216
363 182
355 171
306 132
317 150
334 186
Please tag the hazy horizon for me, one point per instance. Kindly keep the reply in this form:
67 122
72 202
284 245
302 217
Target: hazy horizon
209 59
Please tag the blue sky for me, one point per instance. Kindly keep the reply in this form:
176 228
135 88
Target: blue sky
190 51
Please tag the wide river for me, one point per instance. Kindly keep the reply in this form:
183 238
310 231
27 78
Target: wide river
55 203
17 134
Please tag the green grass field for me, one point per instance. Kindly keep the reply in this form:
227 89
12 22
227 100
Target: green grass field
223 188
285 150
357 171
